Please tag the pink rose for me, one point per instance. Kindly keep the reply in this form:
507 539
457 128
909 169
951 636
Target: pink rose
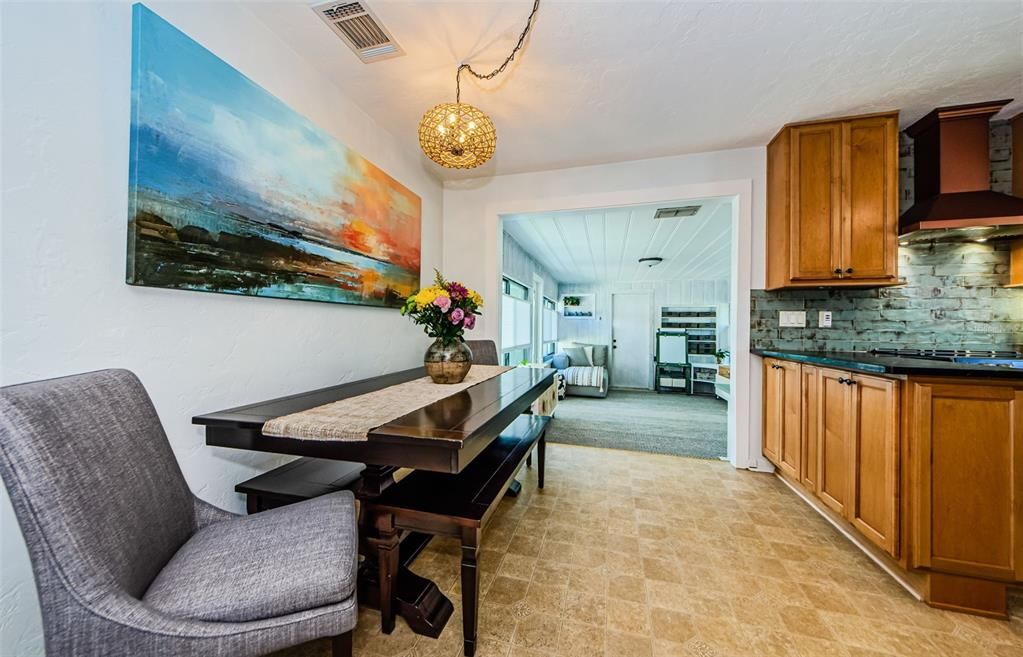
442 302
470 321
456 315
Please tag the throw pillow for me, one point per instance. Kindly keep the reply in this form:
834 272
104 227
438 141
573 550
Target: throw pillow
560 361
589 353
577 357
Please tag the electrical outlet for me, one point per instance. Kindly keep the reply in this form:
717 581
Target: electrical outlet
824 319
792 318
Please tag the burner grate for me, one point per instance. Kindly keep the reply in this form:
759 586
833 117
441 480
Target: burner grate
947 354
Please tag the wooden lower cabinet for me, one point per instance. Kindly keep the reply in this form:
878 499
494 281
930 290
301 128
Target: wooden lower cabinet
966 439
810 427
944 453
790 458
774 400
857 452
783 415
874 508
834 466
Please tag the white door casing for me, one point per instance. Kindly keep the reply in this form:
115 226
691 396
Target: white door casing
536 330
630 340
745 407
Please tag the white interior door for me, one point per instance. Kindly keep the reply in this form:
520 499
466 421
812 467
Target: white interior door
631 360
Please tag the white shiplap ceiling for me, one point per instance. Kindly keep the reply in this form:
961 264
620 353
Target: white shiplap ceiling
605 245
606 82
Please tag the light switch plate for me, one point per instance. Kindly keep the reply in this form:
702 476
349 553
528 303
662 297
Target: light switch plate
792 318
824 319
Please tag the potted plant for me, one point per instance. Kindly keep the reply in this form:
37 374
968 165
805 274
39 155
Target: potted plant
445 310
722 355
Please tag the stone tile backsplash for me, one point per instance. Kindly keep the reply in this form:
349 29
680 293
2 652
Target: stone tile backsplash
953 298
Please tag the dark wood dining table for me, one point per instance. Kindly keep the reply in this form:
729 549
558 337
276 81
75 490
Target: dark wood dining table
444 436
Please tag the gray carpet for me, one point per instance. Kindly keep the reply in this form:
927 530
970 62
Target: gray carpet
644 422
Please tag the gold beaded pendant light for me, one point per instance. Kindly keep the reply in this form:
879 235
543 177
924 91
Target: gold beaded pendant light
457 135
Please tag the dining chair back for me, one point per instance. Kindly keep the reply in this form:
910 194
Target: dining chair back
484 352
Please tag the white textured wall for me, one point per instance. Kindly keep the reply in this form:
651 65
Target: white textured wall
65 306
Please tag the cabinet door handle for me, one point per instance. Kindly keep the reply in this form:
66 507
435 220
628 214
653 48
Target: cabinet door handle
839 271
841 379
850 382
849 271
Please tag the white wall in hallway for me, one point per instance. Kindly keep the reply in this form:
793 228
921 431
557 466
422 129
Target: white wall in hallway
666 293
65 306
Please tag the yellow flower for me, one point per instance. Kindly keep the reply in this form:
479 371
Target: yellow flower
427 295
475 297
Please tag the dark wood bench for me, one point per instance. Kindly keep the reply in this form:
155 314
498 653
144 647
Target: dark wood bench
301 479
424 503
457 505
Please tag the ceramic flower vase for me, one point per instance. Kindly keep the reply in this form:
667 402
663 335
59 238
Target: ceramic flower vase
448 363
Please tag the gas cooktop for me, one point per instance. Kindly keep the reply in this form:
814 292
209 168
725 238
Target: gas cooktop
965 356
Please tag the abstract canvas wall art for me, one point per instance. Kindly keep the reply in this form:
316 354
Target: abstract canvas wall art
232 191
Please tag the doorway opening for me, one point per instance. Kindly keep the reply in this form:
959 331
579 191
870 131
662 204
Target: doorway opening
631 305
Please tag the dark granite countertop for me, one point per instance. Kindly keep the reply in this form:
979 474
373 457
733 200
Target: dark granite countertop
861 361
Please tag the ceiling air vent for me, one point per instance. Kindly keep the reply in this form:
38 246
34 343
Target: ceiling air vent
359 29
671 213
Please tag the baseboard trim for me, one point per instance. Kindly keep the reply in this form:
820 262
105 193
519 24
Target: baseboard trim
905 580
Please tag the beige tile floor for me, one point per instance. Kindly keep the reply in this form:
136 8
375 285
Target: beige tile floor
640 555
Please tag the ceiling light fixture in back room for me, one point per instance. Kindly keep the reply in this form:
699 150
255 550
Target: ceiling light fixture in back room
457 135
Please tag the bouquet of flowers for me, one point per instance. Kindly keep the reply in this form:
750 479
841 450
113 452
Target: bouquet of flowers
445 310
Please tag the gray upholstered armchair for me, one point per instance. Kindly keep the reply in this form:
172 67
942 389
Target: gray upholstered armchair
128 562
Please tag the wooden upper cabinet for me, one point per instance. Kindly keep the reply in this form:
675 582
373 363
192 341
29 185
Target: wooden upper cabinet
816 211
870 192
832 203
874 500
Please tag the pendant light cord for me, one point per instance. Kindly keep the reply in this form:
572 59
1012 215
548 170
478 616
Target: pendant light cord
500 69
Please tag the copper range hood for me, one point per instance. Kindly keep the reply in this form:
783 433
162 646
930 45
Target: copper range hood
954 201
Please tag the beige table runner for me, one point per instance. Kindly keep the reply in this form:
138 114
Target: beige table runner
351 419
